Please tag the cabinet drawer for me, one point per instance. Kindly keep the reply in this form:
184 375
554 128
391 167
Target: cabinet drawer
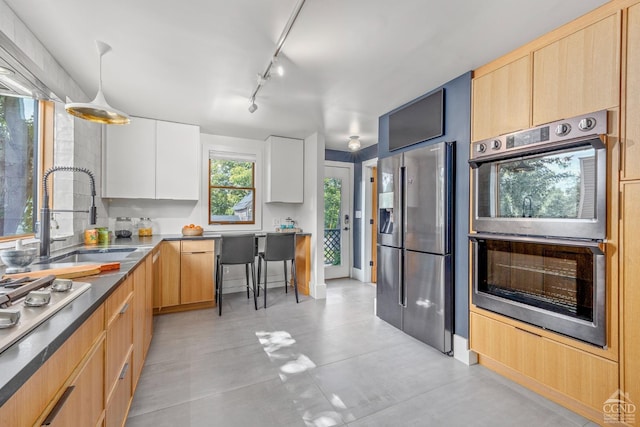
116 300
585 377
119 343
83 401
197 246
118 404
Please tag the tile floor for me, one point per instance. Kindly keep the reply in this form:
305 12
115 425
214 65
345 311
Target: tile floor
318 363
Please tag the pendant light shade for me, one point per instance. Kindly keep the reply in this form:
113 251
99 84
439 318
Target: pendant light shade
98 110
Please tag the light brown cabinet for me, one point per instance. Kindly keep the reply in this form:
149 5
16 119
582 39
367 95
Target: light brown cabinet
118 404
196 271
585 380
631 141
168 287
139 319
502 100
84 402
186 276
43 392
579 73
630 292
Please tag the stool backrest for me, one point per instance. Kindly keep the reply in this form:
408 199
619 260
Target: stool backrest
238 248
280 246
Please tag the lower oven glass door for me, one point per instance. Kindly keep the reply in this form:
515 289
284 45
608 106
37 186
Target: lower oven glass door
554 284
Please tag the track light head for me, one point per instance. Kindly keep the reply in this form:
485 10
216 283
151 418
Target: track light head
253 106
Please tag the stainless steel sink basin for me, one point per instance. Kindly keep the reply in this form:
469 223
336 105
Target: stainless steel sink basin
94 255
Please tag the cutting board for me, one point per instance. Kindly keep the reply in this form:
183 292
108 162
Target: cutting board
70 272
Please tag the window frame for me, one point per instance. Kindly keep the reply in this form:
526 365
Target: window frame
237 147
44 115
213 157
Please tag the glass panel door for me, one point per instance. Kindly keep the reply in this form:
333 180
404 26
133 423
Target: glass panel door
337 222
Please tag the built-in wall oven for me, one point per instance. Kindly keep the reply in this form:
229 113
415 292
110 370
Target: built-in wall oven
539 223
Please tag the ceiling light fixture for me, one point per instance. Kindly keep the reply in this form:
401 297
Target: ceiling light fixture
98 110
262 78
253 106
354 143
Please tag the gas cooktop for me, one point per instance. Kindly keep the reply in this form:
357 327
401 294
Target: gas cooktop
26 303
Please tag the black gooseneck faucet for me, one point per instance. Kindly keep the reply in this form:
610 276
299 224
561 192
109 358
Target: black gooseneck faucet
45 212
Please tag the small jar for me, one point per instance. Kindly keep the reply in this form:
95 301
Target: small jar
91 237
144 227
103 235
124 227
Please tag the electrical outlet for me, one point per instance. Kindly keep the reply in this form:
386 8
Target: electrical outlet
276 222
225 269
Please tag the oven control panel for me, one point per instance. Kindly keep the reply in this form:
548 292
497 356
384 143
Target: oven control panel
539 138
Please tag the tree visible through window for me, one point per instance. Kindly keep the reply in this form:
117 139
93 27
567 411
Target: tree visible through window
231 190
18 166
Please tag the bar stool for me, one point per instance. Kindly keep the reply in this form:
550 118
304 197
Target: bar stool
236 249
278 247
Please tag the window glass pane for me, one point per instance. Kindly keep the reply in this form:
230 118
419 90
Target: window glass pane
18 160
231 190
230 205
230 173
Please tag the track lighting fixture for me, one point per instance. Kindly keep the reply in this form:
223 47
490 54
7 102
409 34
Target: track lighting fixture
262 78
253 106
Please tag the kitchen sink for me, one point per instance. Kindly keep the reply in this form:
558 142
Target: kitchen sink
94 255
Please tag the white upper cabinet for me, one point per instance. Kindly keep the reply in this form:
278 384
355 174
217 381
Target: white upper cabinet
177 165
151 159
129 160
284 172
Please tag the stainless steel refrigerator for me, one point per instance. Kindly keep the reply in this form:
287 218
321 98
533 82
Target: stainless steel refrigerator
415 234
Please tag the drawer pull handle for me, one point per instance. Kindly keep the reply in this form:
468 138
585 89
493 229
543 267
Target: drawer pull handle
56 409
123 373
124 308
529 332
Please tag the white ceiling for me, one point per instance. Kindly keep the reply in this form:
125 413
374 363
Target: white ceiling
347 61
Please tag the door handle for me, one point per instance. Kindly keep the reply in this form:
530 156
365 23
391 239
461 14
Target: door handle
346 229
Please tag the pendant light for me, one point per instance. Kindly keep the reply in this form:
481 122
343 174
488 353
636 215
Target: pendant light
98 110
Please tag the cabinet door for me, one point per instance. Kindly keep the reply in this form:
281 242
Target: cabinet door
502 100
139 313
118 404
578 74
148 305
177 161
83 401
284 184
630 290
170 273
196 277
129 160
631 145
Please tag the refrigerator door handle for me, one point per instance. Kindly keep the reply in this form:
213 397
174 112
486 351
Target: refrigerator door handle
401 284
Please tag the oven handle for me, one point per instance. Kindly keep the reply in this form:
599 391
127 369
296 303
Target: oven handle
595 140
597 247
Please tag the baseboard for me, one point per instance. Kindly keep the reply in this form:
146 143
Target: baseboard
358 274
461 351
318 290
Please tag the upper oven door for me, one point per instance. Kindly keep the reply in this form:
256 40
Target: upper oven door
556 193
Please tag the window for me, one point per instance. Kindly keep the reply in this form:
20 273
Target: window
18 166
231 188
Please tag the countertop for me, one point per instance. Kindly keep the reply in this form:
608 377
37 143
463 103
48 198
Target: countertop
25 357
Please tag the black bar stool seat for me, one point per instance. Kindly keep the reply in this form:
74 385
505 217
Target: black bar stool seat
278 247
236 249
